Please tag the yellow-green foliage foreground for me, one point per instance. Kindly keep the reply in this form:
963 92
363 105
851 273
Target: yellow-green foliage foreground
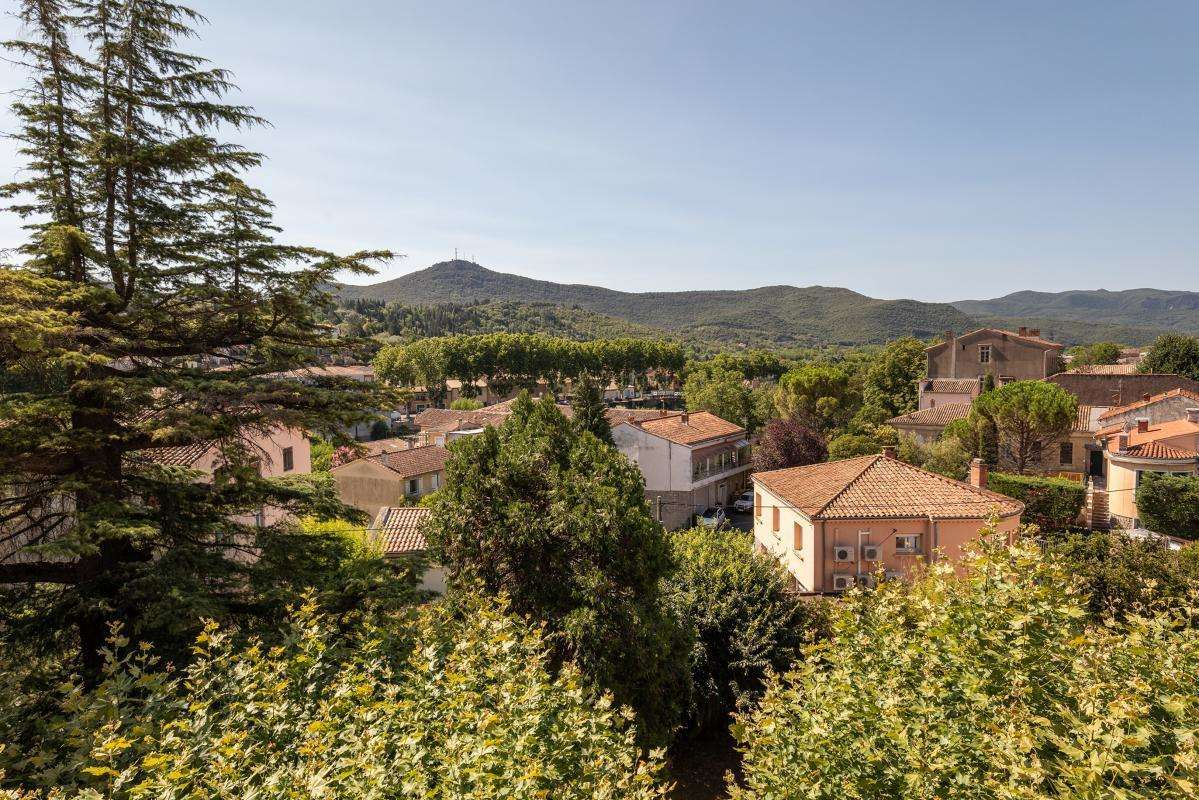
433 707
998 685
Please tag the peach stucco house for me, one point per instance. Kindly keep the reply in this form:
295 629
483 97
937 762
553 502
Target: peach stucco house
391 478
1133 448
838 524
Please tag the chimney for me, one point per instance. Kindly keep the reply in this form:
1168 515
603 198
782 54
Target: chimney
1193 415
1145 397
684 417
949 336
889 451
662 412
1034 332
1142 425
1023 331
978 473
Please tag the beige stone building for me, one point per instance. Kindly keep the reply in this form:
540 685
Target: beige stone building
391 478
839 524
1022 355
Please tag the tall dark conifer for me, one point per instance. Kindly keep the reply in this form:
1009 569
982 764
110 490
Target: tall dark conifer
149 260
587 409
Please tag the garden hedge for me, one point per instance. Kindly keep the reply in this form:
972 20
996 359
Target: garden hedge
1052 504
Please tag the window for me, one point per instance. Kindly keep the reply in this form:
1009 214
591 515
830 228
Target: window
758 505
413 485
1065 453
435 481
775 518
798 536
289 460
932 403
907 543
984 354
1035 455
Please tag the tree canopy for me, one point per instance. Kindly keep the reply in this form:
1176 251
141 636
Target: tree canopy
788 443
991 682
149 262
721 391
1027 416
1169 504
557 521
1174 353
823 393
889 387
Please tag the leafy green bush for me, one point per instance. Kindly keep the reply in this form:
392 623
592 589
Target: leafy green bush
466 404
1124 575
745 621
852 445
1052 504
431 705
990 683
1169 504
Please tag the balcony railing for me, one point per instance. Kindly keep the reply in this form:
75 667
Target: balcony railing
719 462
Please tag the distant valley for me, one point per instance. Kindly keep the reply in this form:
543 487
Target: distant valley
790 316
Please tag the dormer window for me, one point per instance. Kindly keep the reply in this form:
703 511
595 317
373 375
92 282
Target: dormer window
984 354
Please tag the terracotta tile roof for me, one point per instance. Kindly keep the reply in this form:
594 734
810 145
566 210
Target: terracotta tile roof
389 445
952 385
398 529
937 415
1083 421
185 455
447 419
409 463
1116 390
688 428
1161 451
1157 398
1163 430
1105 369
877 487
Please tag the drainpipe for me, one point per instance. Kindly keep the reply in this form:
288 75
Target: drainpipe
934 534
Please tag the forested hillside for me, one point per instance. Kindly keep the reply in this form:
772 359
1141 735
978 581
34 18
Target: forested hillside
1139 308
766 316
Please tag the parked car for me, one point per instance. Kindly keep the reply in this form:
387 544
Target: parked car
744 502
713 517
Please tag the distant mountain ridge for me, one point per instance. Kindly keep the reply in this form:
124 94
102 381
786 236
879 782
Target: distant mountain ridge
1146 308
780 316
769 315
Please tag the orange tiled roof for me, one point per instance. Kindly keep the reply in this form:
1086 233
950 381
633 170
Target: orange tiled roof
1161 451
390 445
398 529
1163 430
937 415
447 419
952 385
1157 398
184 455
409 463
1083 421
877 487
699 426
1105 369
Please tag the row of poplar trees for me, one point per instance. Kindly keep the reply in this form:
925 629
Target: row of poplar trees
148 261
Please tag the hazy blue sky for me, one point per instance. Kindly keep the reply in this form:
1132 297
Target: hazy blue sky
903 149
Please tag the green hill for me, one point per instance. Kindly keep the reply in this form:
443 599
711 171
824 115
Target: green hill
771 316
1139 309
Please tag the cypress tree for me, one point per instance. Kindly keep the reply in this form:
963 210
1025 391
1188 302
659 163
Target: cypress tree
148 261
588 409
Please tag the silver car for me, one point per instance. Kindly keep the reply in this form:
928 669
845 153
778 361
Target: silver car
713 517
744 502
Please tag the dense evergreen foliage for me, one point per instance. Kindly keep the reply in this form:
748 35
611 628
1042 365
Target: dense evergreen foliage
1169 504
1173 353
428 704
148 259
745 621
1121 575
556 521
1052 504
992 682
1026 417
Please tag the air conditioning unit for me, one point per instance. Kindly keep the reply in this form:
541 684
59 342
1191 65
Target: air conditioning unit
842 583
867 580
872 552
843 553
